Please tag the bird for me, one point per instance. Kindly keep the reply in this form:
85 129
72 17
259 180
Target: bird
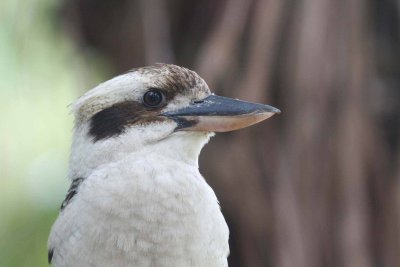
137 197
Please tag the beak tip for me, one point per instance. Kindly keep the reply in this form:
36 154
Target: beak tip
270 109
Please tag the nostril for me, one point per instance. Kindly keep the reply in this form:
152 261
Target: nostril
198 101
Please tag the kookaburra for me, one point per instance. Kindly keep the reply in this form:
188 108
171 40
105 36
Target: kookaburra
137 197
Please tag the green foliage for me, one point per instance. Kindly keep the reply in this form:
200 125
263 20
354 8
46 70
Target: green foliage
40 75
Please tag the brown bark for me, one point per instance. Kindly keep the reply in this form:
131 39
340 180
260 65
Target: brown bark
317 185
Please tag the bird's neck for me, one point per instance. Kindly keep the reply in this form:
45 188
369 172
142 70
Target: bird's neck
87 156
180 146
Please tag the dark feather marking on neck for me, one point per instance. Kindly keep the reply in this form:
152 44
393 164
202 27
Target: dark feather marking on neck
50 255
73 189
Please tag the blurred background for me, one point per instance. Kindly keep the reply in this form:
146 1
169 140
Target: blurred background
318 185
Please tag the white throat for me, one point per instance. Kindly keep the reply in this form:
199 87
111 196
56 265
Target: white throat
160 139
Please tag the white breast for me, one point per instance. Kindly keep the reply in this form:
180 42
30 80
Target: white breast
143 210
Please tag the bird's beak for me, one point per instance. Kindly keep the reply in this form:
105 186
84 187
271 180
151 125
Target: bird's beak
220 114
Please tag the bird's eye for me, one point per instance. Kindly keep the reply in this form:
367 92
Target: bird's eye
153 98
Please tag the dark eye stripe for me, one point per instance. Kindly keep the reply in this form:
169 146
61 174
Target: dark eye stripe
114 120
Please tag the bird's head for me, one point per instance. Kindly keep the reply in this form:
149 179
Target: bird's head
150 107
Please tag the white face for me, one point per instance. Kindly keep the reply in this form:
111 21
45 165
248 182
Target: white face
121 102
123 114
